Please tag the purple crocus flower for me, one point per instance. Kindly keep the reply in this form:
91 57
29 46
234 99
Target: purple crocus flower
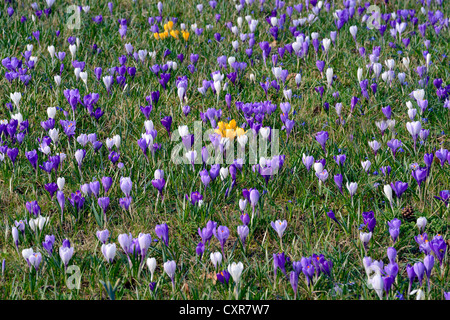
308 271
103 235
162 232
245 218
293 279
195 198
420 175
106 182
428 262
32 157
279 261
332 216
48 243
369 220
51 188
444 196
159 185
338 181
200 249
399 188
223 276
222 233
279 226
394 144
442 155
12 154
10 11
167 123
439 247
125 202
419 270
340 159
394 228
33 208
411 276
103 202
322 138
243 233
320 65
207 232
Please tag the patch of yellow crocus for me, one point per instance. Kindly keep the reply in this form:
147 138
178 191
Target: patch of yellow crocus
168 30
229 130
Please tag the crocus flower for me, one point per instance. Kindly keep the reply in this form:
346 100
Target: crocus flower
352 188
394 228
151 264
293 279
223 276
235 269
308 270
376 281
428 262
222 235
338 181
48 243
167 123
332 216
35 260
308 161
322 138
125 242
254 198
444 196
365 238
414 129
421 223
170 268
109 251
420 295
103 202
279 261
32 157
419 270
394 144
103 235
279 226
126 185
66 253
420 175
399 188
442 155
439 247
243 233
106 182
200 249
144 240
162 232
196 198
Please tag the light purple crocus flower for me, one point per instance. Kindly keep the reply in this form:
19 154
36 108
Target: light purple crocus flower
279 226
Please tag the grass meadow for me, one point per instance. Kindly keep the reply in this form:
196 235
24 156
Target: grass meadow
86 93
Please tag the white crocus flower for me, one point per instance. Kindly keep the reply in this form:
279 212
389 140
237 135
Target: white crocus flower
16 97
151 264
235 270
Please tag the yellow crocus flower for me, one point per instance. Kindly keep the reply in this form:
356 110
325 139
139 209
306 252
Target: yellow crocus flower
175 33
231 124
168 26
185 35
